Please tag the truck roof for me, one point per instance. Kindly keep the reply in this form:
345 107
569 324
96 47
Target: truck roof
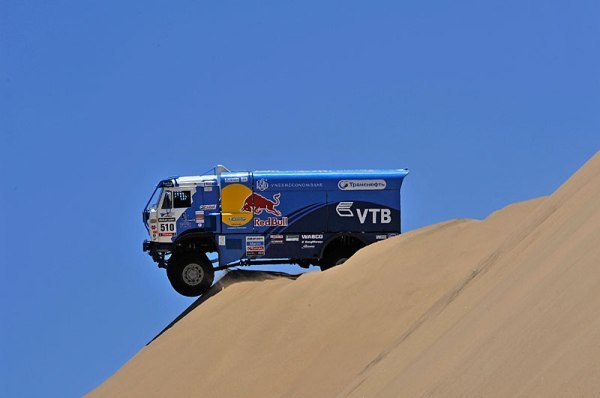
296 174
336 173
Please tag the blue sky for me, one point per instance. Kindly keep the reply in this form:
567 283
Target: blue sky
487 103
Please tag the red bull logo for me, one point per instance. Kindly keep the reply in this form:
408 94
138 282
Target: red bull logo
271 222
257 203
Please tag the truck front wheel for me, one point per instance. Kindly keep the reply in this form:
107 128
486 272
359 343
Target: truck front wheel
190 274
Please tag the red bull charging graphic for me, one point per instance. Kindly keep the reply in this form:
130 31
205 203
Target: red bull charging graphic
257 203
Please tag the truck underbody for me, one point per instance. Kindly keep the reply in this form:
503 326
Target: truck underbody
161 252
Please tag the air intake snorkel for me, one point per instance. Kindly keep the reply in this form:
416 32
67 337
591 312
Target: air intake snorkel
146 212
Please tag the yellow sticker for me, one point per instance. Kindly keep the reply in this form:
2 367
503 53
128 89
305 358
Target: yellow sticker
233 197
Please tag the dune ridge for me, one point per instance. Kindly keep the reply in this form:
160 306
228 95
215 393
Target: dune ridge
506 306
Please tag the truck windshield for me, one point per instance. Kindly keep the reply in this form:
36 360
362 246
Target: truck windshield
167 203
155 198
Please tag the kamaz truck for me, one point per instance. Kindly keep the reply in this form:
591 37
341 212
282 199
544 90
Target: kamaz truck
267 217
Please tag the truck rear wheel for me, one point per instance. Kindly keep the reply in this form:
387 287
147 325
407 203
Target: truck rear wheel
336 257
190 274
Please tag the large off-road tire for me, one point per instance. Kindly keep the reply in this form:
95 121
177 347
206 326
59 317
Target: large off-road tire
336 257
190 274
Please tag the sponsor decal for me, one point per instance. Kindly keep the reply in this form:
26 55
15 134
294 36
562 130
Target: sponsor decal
165 214
207 189
343 209
313 236
255 240
262 185
277 242
384 215
208 207
276 236
392 235
257 203
187 220
166 234
280 185
222 240
292 238
232 179
380 237
200 217
244 179
167 219
378 216
153 221
361 185
271 222
232 201
309 241
255 245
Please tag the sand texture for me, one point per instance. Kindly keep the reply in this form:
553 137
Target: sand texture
504 307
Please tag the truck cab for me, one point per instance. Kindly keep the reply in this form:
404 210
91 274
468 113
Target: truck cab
267 217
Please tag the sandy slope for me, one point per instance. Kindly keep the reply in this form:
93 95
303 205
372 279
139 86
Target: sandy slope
508 306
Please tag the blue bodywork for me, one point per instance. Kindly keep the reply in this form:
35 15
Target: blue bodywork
292 214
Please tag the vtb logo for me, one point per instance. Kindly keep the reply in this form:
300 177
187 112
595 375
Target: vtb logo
382 216
257 203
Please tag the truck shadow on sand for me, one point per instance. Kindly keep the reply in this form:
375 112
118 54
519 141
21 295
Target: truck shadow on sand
231 278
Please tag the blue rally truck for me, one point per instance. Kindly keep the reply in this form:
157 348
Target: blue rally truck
267 217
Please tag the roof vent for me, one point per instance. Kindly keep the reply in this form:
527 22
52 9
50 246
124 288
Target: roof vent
221 169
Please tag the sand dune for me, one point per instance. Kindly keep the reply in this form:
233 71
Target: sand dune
507 306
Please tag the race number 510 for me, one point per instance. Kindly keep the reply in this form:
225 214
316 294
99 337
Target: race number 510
167 227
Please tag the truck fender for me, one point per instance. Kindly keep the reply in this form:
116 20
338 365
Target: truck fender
198 235
340 237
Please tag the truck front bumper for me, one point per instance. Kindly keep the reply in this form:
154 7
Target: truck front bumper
157 250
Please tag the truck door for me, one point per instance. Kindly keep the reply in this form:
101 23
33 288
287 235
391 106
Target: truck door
204 208
171 218
236 203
